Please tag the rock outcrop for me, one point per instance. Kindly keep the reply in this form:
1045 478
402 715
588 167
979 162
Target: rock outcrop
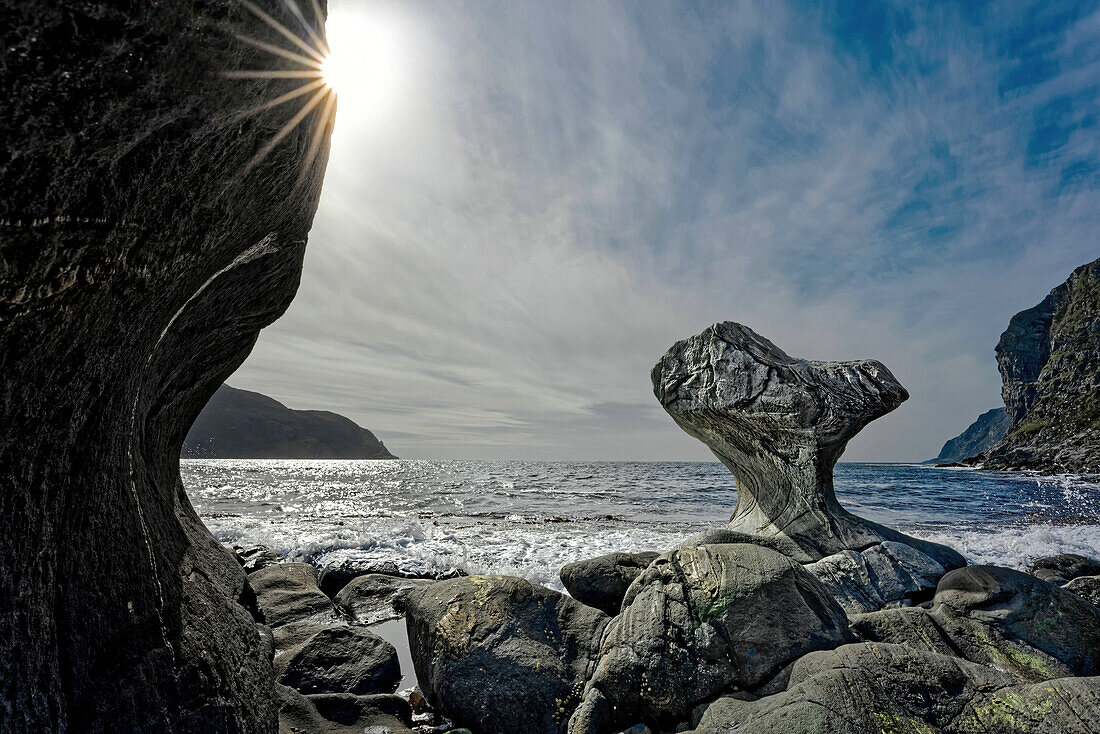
139 258
700 622
1049 358
780 424
981 435
238 424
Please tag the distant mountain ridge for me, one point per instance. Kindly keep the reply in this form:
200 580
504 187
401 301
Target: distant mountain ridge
238 424
981 435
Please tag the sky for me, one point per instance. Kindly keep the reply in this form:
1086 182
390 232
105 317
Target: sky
527 203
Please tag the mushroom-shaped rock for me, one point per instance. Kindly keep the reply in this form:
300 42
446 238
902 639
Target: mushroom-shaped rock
780 424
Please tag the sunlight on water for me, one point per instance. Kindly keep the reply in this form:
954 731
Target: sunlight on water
530 518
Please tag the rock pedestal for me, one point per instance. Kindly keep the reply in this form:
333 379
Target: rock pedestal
138 262
780 424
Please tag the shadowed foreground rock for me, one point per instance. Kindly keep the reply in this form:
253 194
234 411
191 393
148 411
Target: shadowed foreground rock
501 655
780 424
137 266
700 622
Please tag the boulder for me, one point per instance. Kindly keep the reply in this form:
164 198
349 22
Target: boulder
255 557
886 574
141 255
288 592
702 621
1018 623
1063 568
602 582
1086 587
861 688
376 598
780 424
343 659
500 655
341 713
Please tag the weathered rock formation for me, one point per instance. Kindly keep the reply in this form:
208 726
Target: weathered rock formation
1049 358
238 424
981 435
138 261
780 424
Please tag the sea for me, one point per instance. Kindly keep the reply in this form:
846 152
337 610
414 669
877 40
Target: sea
530 518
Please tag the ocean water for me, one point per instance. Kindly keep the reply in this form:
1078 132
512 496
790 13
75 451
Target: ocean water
530 518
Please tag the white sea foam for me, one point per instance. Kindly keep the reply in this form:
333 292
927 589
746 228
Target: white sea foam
529 519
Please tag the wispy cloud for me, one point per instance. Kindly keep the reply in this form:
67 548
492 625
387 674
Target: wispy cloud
564 189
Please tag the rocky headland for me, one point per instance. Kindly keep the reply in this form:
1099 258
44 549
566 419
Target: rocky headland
981 435
1049 358
239 424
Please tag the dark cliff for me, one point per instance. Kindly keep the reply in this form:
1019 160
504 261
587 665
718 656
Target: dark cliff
990 427
138 262
1049 358
238 424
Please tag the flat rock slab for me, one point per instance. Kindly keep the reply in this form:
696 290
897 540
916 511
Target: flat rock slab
375 598
702 621
501 655
342 660
288 592
602 582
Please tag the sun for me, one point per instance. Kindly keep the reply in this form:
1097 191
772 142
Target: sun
357 62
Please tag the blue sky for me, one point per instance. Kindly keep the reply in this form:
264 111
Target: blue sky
556 192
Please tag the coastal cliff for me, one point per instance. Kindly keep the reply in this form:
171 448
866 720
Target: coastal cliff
140 255
989 428
238 424
1049 359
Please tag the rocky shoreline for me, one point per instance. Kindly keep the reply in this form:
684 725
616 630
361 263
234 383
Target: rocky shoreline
797 617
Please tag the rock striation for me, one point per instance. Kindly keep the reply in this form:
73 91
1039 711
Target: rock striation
238 424
1049 358
138 262
981 435
780 424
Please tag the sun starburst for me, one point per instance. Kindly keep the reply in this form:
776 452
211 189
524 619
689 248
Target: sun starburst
310 53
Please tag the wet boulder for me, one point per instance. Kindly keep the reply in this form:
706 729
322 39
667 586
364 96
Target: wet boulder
1063 568
254 557
602 582
501 655
1086 587
886 574
288 592
375 598
699 622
